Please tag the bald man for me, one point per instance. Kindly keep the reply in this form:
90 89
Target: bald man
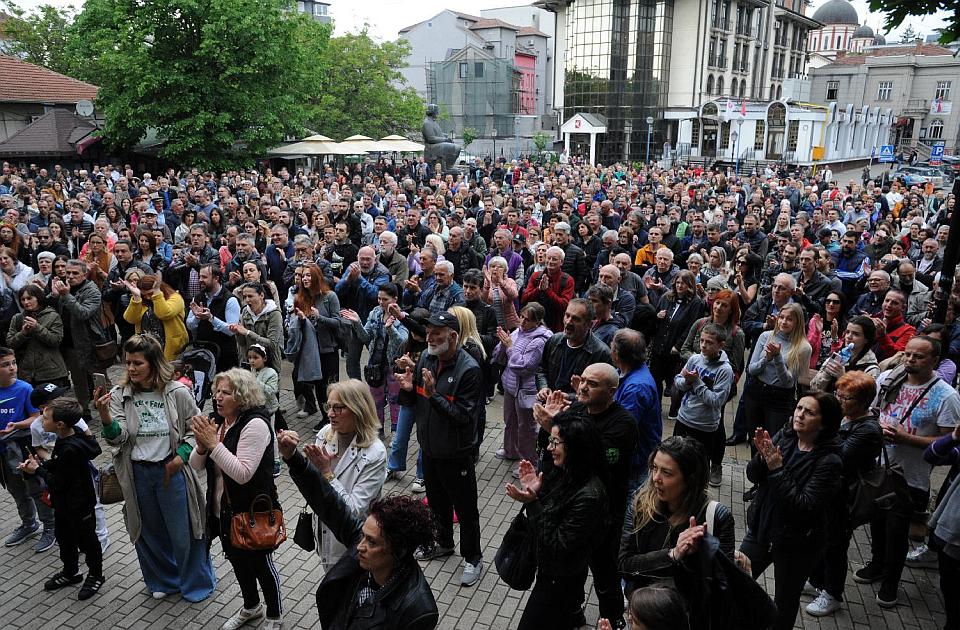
357 291
623 302
595 389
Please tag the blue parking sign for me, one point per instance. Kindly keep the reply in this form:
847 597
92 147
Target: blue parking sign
886 153
936 153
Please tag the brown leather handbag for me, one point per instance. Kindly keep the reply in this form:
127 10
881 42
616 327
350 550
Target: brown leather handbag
258 531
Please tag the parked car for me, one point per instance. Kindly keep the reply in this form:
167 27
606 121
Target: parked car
920 175
947 171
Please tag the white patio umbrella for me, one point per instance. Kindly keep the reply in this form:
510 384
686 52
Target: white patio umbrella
399 144
311 145
357 145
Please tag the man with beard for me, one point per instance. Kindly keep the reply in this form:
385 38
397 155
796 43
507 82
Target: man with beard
185 272
567 353
447 384
246 250
412 233
358 290
212 312
391 258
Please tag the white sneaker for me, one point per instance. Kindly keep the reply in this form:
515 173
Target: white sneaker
418 486
272 624
244 616
825 604
471 573
922 557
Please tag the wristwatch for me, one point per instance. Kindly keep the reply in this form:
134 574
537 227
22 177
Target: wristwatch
329 476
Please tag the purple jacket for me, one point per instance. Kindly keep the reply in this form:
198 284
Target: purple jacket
514 260
523 360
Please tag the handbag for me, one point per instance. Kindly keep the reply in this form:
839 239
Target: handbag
108 485
375 374
303 534
258 531
516 559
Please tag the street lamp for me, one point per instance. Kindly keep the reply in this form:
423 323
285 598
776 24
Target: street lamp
493 134
627 130
736 154
649 133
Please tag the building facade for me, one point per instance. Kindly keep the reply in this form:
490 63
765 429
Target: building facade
916 82
664 59
841 32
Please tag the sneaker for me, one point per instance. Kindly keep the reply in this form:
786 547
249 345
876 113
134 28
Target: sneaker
810 589
21 534
59 580
515 473
433 552
47 539
158 594
825 604
276 468
418 486
91 586
471 573
673 417
243 617
394 475
272 624
887 597
716 476
502 454
302 414
869 574
922 557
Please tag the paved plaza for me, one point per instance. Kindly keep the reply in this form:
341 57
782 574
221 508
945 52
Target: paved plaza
124 602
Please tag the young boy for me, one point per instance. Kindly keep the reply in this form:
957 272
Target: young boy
67 474
14 447
705 382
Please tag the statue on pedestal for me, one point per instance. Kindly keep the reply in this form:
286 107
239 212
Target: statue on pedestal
439 147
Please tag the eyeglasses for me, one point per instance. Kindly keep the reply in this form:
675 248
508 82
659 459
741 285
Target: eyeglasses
554 441
335 408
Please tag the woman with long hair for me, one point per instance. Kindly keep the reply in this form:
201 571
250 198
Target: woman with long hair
252 272
677 310
669 519
654 608
238 457
16 275
216 226
565 507
745 280
317 302
861 332
716 264
100 261
182 233
725 312
157 308
825 332
145 419
354 458
779 361
796 474
147 252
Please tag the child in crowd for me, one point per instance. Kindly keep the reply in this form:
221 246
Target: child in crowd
261 365
68 476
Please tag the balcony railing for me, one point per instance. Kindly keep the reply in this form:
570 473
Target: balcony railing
917 105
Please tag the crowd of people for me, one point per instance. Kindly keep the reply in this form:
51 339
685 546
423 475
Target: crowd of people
605 304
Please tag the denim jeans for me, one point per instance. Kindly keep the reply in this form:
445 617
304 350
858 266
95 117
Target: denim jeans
171 559
401 438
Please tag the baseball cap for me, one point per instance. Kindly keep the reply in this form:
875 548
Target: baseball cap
445 319
150 210
47 393
519 238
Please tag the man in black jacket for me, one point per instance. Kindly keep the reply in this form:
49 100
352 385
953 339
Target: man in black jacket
486 318
184 273
567 353
574 260
447 382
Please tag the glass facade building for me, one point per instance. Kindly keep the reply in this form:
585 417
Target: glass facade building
618 65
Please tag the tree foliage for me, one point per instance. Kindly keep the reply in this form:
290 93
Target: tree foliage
356 91
540 140
469 134
897 11
39 37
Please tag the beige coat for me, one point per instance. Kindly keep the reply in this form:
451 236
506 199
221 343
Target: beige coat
180 407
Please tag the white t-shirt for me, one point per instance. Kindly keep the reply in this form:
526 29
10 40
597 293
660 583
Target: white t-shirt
153 437
939 408
41 439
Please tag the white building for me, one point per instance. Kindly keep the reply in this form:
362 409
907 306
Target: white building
841 32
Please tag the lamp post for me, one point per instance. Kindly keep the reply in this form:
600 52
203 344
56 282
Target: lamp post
736 154
649 133
627 130
493 134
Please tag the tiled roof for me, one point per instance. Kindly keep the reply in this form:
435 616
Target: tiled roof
529 30
493 23
931 50
54 133
26 83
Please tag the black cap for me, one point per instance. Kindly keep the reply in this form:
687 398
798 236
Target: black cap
47 393
445 319
520 238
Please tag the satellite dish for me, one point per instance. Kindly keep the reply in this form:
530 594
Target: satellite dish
84 108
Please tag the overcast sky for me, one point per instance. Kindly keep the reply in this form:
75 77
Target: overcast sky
386 17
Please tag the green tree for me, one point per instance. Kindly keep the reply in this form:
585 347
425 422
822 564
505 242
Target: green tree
221 81
359 89
899 10
469 134
39 37
909 35
540 140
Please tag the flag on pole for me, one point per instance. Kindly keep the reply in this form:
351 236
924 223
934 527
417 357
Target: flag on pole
743 108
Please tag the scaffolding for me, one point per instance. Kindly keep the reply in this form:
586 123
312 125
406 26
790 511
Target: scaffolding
475 91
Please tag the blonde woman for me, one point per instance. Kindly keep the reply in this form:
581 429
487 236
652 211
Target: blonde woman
779 359
470 341
353 459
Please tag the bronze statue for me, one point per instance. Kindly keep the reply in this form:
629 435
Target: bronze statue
439 147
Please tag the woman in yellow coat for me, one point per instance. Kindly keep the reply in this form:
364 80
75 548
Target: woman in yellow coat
156 308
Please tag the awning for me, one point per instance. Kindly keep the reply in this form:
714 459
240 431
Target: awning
902 121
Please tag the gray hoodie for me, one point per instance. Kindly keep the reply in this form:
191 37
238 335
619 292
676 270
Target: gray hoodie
703 399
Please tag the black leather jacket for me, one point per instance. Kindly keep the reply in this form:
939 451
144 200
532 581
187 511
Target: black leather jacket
404 603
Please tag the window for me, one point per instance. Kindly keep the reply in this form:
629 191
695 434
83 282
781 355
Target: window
936 129
884 90
793 130
758 135
743 88
720 85
463 70
815 43
832 88
695 132
724 135
478 69
710 84
839 39
733 87
943 90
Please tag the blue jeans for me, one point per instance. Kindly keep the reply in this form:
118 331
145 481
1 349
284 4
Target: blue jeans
401 438
171 559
